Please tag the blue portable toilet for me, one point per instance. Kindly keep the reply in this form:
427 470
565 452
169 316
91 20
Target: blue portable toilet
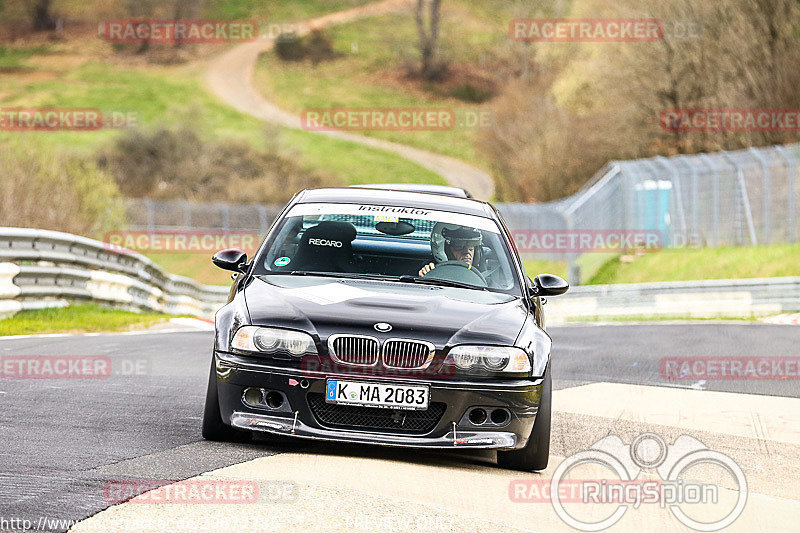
652 207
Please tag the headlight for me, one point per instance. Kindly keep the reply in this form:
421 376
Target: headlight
492 358
254 339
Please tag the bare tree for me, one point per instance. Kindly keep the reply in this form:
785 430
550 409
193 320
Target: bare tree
185 9
429 38
41 17
606 99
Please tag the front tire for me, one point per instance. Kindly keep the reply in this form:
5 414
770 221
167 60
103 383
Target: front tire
536 453
213 427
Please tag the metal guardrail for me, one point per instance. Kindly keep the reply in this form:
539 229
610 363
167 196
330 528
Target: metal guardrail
41 268
683 299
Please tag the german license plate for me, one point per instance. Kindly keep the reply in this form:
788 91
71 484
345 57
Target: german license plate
386 395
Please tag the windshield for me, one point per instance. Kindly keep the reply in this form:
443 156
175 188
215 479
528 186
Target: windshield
385 242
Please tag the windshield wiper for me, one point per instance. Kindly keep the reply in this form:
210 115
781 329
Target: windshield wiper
440 282
344 275
402 279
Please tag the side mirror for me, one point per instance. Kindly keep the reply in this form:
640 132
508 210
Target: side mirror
231 259
549 285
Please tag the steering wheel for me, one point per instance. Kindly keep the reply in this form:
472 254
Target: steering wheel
457 271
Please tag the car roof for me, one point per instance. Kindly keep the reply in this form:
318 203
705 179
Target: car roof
420 187
421 200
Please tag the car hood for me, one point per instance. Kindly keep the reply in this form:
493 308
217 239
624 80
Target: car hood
441 315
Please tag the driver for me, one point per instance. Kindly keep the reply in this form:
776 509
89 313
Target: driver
453 243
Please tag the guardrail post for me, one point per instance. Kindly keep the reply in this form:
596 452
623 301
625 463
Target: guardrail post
678 195
751 229
766 176
791 167
151 215
573 269
187 214
714 197
263 223
225 211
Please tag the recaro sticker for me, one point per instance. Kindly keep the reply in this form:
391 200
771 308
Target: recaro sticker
325 242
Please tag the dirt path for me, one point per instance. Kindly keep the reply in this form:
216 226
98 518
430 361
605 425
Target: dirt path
230 77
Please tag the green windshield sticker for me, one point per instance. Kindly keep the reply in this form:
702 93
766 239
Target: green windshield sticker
282 261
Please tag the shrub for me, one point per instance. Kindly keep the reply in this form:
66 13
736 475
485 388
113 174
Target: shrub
57 192
290 47
468 92
319 47
172 164
316 46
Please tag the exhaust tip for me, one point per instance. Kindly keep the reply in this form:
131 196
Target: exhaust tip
500 416
477 416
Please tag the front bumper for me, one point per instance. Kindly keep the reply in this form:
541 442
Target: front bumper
453 429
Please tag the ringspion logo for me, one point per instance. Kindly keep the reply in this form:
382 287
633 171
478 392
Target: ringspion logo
692 503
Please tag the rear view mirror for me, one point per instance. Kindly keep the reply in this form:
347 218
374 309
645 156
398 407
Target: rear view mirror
232 259
395 228
549 285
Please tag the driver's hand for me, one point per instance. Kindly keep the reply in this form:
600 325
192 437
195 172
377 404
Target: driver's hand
427 268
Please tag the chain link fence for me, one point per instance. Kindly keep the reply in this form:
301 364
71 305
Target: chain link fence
181 215
746 197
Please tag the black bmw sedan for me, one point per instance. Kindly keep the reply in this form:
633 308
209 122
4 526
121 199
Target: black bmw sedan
385 317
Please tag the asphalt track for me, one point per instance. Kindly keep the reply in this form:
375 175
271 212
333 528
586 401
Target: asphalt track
62 441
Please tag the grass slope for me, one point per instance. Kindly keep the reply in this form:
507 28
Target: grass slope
77 318
681 264
369 73
166 96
